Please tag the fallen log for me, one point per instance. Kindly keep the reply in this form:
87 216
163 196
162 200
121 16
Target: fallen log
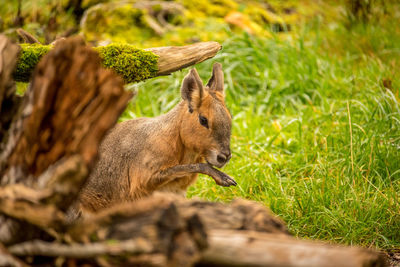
132 64
172 228
249 248
238 215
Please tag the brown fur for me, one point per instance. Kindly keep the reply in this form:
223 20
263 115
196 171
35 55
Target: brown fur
145 155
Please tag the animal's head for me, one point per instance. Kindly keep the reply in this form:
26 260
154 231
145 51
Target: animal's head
206 125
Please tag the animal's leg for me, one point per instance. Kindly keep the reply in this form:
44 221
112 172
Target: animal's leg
172 173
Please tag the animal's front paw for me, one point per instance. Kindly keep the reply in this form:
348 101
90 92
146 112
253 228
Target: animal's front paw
225 180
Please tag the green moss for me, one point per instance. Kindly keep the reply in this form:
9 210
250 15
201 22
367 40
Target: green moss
116 22
29 57
131 63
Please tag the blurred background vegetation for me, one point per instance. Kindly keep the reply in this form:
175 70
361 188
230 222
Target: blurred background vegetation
313 87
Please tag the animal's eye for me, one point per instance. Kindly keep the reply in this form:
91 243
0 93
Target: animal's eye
203 121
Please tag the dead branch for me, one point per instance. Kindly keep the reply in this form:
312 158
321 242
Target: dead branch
81 251
27 37
7 259
153 24
170 59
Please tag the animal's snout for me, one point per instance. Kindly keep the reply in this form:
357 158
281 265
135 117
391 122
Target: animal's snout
224 157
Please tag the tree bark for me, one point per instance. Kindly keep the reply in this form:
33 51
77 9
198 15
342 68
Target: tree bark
53 133
70 105
9 102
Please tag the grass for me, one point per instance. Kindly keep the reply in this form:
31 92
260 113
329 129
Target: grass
316 129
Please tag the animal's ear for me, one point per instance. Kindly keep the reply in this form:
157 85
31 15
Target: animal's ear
192 90
216 82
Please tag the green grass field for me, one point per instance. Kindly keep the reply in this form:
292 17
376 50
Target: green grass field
316 128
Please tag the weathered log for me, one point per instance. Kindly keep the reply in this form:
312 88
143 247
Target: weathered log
238 215
240 234
249 248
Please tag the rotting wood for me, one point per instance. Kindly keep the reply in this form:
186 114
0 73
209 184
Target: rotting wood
66 111
180 239
43 206
173 58
179 235
63 114
238 215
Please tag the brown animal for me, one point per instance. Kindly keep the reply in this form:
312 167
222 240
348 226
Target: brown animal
164 153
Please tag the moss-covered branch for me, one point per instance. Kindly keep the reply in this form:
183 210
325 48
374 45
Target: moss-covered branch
131 63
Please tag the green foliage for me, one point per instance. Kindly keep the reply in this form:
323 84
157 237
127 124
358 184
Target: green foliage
29 57
202 20
45 19
131 63
315 130
115 22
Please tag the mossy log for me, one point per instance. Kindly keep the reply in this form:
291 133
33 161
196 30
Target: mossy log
131 63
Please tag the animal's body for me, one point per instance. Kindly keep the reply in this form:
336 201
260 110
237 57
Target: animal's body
164 153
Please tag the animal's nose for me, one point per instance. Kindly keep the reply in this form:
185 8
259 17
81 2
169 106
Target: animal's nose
224 157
